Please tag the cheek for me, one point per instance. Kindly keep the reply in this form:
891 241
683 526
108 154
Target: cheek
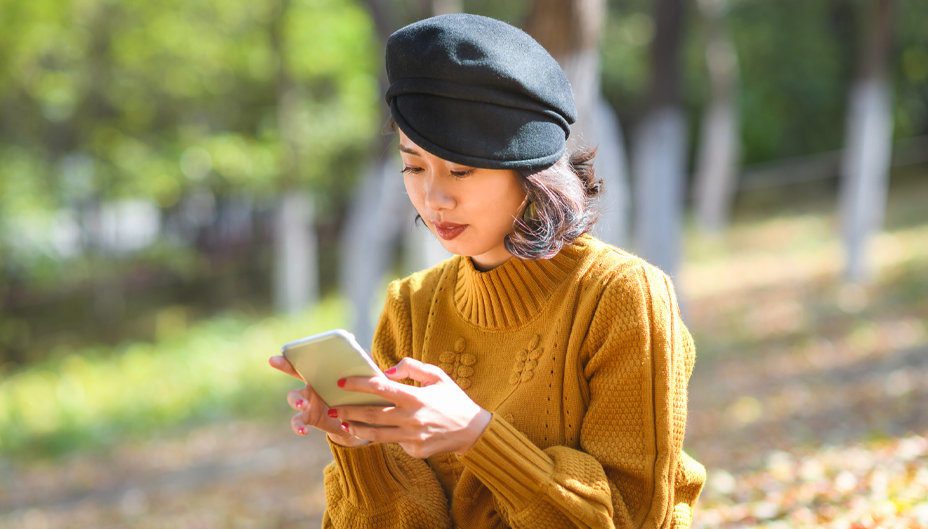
514 199
414 193
504 208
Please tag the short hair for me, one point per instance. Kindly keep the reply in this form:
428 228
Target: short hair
564 206
563 199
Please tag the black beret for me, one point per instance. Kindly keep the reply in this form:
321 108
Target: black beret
479 92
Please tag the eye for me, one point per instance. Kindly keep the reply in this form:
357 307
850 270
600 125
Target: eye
411 170
461 174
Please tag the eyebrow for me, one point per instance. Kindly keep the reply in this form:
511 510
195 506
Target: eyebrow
409 150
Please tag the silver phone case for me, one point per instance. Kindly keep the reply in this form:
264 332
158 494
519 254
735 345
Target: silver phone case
323 359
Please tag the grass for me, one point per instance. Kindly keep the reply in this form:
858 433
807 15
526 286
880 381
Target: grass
96 396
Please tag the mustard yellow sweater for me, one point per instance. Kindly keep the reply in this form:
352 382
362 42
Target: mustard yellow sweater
582 360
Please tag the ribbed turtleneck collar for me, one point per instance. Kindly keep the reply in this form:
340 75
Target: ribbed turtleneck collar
514 292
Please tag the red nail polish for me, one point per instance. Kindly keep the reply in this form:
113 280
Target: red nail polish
299 404
345 426
333 414
341 383
301 431
390 371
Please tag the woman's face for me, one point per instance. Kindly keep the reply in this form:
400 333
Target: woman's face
470 210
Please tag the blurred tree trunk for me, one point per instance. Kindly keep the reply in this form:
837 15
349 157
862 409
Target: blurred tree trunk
444 7
659 157
719 139
376 214
295 253
868 147
369 238
570 30
296 275
109 301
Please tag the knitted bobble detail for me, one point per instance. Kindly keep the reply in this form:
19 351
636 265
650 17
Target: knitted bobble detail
526 362
458 364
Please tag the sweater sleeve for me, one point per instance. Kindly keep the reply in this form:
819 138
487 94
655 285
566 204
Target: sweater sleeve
379 485
630 470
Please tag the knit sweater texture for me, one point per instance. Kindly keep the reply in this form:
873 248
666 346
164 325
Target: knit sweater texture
582 360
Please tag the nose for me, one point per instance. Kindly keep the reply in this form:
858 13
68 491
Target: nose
437 194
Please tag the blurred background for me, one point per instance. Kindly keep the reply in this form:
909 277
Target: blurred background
186 185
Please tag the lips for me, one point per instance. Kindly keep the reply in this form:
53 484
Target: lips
449 230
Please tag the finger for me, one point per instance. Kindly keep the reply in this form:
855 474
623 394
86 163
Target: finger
302 422
298 425
410 368
382 387
300 399
280 363
315 411
377 434
379 415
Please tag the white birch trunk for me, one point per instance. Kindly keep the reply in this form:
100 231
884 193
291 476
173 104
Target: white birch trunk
373 225
598 126
865 172
719 141
658 167
446 7
611 164
717 166
584 73
296 282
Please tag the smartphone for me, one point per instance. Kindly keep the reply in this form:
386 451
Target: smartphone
323 359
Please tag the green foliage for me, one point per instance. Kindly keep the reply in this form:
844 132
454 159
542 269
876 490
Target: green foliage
126 99
626 37
797 63
911 69
797 60
134 85
98 395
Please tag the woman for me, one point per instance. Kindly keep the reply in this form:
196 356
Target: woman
539 375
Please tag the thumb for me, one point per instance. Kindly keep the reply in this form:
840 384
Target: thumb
280 363
425 374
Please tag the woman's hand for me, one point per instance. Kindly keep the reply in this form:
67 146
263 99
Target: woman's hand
436 418
312 410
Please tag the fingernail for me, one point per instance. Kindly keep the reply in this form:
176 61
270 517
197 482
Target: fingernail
301 431
333 414
390 371
299 404
341 383
345 426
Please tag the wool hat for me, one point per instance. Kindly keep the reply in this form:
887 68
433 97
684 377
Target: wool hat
476 91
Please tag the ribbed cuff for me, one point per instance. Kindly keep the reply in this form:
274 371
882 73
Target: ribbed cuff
509 464
369 475
691 476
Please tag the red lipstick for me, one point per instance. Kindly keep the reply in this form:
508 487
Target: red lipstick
449 230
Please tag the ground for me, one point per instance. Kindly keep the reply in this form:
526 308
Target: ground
806 404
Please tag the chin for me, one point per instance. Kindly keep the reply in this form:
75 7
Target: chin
455 247
464 245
